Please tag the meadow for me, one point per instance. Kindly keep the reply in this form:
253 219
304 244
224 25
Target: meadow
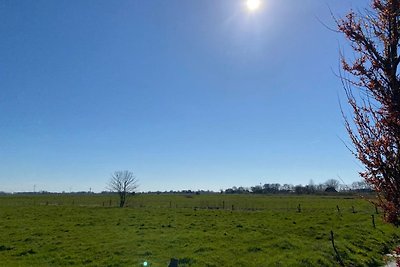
198 230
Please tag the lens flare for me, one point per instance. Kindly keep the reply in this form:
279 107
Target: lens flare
253 4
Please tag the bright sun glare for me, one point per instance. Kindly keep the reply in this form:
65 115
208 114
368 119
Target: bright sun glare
253 5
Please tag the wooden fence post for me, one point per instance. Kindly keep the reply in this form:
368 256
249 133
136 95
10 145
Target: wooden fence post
338 209
339 259
373 220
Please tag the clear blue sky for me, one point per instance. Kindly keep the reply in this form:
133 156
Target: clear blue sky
188 94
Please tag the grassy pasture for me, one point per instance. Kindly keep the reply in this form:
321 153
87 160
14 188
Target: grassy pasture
199 230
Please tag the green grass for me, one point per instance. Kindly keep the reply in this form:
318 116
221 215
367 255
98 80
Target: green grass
65 230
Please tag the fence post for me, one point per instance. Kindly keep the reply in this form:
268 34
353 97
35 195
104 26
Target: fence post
373 220
339 259
338 209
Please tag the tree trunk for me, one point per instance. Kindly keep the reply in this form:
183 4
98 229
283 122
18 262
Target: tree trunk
122 198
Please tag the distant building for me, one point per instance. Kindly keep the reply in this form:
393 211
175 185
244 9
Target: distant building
330 189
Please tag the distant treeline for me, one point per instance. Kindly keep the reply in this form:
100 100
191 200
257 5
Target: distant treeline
51 193
329 186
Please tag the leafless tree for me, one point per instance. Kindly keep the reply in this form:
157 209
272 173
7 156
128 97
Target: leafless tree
124 183
360 185
374 127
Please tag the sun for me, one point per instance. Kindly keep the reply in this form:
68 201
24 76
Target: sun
253 5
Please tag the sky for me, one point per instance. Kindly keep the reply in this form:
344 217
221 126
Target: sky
186 94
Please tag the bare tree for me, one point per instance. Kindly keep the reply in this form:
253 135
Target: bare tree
374 127
360 185
124 183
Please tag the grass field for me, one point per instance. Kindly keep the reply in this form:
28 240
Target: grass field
199 230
